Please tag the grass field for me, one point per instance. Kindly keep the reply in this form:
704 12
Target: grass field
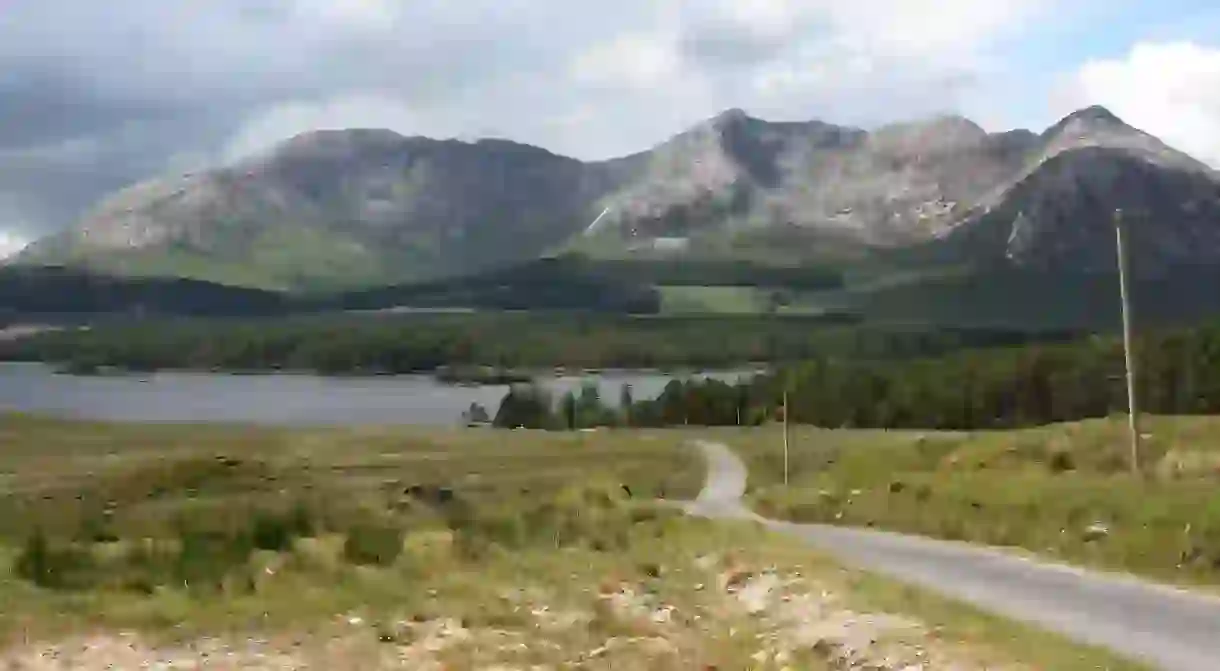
713 300
379 547
1061 491
56 474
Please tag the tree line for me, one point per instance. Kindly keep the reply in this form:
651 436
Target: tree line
49 292
1178 372
697 402
370 344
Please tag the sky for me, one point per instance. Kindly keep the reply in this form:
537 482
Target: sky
97 95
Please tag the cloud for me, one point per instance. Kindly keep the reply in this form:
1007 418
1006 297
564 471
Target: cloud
11 243
630 61
1168 89
12 221
97 95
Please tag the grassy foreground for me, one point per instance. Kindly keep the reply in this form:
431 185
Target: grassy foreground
393 548
1062 491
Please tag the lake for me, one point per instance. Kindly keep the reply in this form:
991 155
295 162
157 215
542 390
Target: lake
284 398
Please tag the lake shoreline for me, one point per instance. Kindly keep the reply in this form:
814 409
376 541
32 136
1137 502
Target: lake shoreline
520 375
296 398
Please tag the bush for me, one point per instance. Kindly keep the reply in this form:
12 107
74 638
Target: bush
527 406
33 563
95 529
52 567
208 557
1062 462
271 532
276 531
372 544
301 522
506 527
200 557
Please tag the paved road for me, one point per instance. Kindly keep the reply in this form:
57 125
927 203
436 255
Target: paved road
1165 627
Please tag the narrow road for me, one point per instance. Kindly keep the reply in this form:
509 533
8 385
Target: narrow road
1162 626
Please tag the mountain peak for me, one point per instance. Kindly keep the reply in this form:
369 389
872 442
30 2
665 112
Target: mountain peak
733 115
955 121
1094 115
352 135
331 142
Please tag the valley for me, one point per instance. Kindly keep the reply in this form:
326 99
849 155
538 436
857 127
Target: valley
663 336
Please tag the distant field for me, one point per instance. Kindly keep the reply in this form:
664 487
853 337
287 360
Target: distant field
1063 491
275 548
45 465
733 300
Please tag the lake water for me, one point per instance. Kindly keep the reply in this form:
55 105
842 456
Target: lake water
282 399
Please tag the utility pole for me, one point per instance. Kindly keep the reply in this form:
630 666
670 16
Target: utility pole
785 437
1128 357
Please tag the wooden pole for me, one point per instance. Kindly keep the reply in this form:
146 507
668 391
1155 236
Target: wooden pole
1128 356
785 437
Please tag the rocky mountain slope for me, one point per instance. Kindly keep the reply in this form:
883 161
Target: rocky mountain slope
368 206
337 208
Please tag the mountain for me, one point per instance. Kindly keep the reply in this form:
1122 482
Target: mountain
939 190
1058 212
335 208
365 207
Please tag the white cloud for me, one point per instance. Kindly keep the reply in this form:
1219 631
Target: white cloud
353 14
606 83
11 243
1169 89
930 28
631 61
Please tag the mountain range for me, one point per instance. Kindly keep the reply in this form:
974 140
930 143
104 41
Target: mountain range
342 209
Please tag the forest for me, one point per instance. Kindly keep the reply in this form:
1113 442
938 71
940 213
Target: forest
836 374
388 344
50 292
569 282
1177 373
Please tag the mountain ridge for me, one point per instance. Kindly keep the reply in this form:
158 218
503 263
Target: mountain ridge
361 207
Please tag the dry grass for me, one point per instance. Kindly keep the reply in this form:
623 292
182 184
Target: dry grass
56 474
1050 490
542 558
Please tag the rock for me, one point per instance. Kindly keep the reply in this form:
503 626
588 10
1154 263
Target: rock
755 594
662 615
1095 531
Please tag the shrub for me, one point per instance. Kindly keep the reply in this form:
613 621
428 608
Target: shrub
206 558
1062 462
33 563
55 567
301 522
507 528
275 531
271 532
96 529
527 406
373 544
